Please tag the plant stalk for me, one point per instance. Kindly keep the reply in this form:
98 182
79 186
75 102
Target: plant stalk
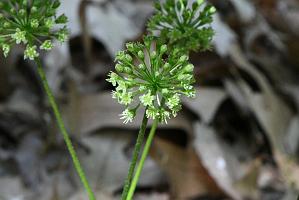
136 153
142 160
63 130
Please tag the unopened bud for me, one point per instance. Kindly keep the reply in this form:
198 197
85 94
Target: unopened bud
163 49
141 54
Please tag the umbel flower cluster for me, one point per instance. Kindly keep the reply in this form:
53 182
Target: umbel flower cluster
30 23
146 76
183 24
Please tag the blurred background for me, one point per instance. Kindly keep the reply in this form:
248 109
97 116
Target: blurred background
238 139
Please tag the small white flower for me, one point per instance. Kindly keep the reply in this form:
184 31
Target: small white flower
122 86
142 88
30 52
173 101
191 94
147 99
62 36
115 95
5 49
113 78
164 115
47 45
187 87
19 36
127 115
126 98
152 113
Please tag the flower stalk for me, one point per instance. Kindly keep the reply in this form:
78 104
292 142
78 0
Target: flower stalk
63 130
135 156
142 159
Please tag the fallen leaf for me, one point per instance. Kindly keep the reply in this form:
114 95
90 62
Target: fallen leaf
187 176
107 165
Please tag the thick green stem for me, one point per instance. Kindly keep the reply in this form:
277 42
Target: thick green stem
136 153
62 128
142 160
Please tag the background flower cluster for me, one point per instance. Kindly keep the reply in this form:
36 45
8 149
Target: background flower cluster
183 24
31 23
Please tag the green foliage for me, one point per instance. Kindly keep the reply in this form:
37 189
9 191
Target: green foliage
183 25
146 76
31 23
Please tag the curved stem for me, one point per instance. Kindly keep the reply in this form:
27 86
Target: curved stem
142 160
136 153
62 128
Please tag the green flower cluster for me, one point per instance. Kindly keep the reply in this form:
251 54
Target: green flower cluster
31 23
183 24
147 76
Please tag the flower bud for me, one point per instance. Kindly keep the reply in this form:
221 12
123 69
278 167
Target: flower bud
119 68
181 77
6 25
166 66
188 68
34 23
140 54
62 19
128 58
141 66
183 58
22 12
130 47
128 70
175 51
13 11
56 4
163 49
153 55
212 10
33 9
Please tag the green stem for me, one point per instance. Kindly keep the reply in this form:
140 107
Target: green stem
62 128
136 153
142 160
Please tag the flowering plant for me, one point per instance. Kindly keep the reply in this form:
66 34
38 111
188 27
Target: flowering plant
146 76
155 74
32 24
183 24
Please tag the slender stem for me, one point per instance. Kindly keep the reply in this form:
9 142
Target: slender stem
142 160
62 128
136 153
